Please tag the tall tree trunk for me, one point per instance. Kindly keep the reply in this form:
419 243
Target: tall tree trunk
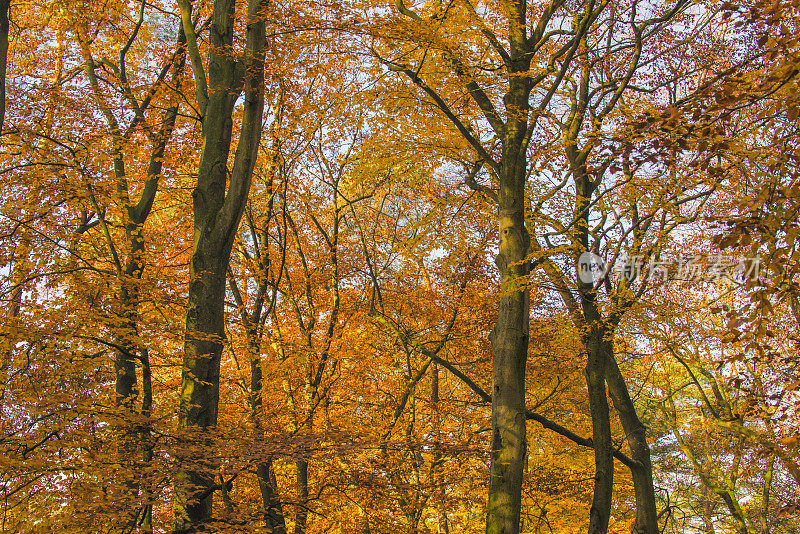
253 322
147 445
597 353
273 508
125 427
509 356
265 472
597 342
510 335
124 329
217 214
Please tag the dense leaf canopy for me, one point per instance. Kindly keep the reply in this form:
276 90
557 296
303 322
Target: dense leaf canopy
380 267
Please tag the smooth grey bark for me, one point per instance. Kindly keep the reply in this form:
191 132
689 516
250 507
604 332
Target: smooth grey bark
130 352
217 212
268 484
602 368
588 319
598 338
598 330
597 342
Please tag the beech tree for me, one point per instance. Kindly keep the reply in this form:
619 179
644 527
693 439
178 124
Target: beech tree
108 235
372 318
518 61
124 323
575 82
218 202
607 217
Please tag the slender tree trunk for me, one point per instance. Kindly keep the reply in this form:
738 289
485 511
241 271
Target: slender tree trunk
253 322
265 472
133 448
125 381
597 351
442 526
722 489
510 336
147 445
598 344
301 517
124 329
126 428
636 435
301 464
602 367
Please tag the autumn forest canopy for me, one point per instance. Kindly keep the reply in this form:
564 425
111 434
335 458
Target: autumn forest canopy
413 266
